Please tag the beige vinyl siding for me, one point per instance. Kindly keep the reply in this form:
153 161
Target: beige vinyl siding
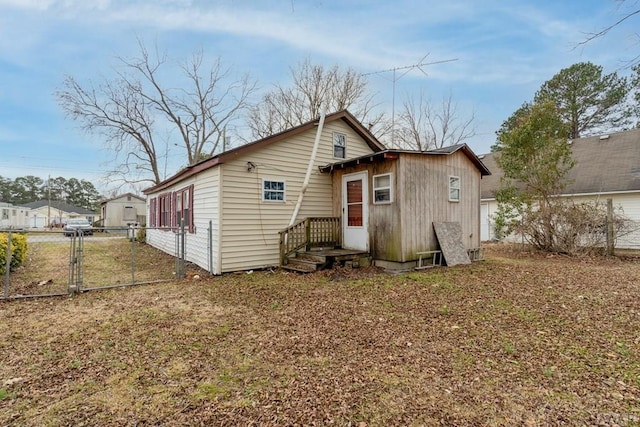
424 194
250 226
206 206
206 198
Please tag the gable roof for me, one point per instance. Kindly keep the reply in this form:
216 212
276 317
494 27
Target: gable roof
603 164
391 154
142 199
59 205
218 159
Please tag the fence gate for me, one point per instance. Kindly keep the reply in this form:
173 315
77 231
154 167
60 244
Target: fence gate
60 264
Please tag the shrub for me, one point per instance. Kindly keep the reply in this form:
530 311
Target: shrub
142 235
18 251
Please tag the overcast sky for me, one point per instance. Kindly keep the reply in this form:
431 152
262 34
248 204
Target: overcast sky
504 49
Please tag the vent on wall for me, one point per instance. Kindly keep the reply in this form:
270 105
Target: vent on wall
604 137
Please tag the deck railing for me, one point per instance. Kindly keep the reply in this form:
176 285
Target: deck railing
309 233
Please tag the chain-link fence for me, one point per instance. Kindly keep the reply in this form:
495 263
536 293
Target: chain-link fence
50 263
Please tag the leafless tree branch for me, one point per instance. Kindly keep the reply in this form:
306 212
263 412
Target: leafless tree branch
131 109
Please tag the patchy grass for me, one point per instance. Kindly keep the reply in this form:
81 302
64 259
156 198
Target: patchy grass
107 261
519 339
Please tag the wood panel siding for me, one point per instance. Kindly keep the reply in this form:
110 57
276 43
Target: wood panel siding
249 225
423 189
400 229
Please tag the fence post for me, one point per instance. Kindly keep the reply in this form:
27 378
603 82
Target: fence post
71 288
133 254
307 234
181 256
7 264
610 236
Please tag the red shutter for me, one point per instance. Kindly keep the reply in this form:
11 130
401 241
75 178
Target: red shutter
172 209
152 212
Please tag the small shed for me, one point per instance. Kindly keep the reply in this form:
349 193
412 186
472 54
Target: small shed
389 200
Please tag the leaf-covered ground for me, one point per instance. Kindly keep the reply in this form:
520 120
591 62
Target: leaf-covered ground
520 339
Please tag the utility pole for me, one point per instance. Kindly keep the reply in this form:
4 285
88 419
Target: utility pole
405 70
49 200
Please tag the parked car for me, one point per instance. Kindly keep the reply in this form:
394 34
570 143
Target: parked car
77 224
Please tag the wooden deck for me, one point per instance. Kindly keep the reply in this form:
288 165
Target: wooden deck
337 253
321 258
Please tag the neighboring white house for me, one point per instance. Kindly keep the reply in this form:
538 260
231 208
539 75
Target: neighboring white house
606 167
14 216
120 211
235 203
46 213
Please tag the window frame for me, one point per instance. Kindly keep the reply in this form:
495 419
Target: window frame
153 212
381 188
455 179
186 199
164 210
336 144
264 190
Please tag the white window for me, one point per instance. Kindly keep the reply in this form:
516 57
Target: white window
382 189
273 191
454 188
339 145
5 213
183 201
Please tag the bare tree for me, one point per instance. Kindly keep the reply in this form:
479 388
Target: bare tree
629 10
424 126
135 109
313 88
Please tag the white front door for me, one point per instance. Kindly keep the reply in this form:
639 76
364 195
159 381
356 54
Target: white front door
355 211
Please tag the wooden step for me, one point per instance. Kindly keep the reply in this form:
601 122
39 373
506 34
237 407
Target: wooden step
321 258
301 265
310 256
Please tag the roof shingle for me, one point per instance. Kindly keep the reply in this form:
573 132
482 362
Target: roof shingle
603 164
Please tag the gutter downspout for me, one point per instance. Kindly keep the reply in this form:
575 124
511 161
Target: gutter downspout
307 177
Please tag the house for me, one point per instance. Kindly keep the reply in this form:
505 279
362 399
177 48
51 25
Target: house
123 210
606 167
14 216
54 213
237 205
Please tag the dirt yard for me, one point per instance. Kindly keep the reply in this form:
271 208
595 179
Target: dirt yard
519 339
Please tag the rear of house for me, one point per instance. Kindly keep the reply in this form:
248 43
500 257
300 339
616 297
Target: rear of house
389 201
235 203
